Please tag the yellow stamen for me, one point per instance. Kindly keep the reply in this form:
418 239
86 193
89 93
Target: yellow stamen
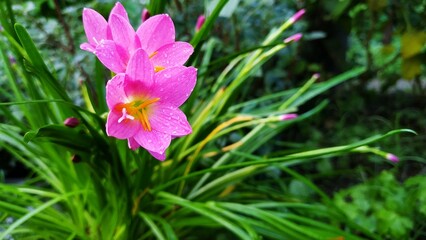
144 120
158 68
137 109
153 54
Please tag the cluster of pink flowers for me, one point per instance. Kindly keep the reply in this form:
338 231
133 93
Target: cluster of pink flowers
151 82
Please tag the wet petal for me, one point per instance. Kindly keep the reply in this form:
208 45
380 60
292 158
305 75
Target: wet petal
118 9
122 32
140 73
153 140
121 130
131 142
158 156
156 32
174 85
173 54
95 26
87 47
170 120
115 91
112 56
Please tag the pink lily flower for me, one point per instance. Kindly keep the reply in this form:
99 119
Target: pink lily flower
157 38
96 27
115 41
144 104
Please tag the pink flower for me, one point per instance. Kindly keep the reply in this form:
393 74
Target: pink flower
144 104
115 41
97 28
157 38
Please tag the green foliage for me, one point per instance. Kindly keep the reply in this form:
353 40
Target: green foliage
386 206
86 185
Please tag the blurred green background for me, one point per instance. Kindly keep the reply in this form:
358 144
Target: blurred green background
386 36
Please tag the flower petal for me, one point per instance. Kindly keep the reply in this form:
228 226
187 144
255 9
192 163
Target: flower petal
115 91
139 71
153 140
118 9
170 120
158 156
174 85
121 130
122 32
112 56
155 32
87 47
95 26
131 142
173 54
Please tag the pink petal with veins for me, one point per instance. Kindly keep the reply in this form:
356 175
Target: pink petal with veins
174 85
118 9
153 140
173 54
122 32
156 32
170 120
114 91
95 26
113 56
121 130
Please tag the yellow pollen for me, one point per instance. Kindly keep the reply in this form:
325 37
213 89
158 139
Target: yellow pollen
138 109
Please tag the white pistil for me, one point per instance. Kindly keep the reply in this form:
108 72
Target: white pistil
125 116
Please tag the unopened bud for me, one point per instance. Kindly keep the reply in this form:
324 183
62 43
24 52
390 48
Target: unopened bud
316 75
200 22
294 38
71 122
391 157
12 60
145 15
288 116
297 15
76 158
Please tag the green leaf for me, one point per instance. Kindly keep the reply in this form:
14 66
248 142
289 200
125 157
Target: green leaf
37 64
72 138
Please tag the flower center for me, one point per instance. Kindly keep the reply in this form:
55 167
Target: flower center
138 109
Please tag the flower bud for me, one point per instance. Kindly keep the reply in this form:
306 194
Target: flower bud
71 122
297 16
12 60
76 158
288 116
391 157
296 37
200 22
316 75
145 15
